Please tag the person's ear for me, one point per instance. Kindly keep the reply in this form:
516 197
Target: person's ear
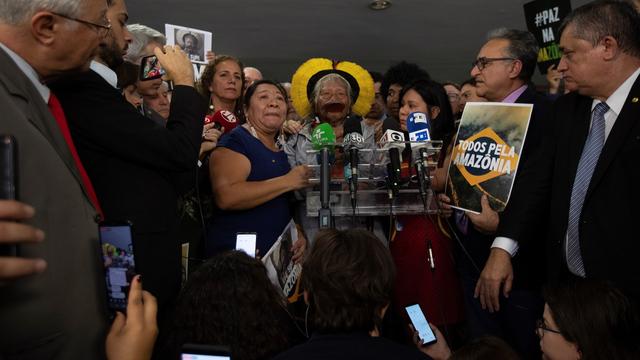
516 69
434 112
44 26
610 46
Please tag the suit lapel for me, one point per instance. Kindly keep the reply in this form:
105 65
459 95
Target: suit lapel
38 112
621 130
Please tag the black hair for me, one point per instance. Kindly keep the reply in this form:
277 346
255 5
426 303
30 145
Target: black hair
433 94
349 278
376 76
601 320
485 348
595 20
252 89
402 73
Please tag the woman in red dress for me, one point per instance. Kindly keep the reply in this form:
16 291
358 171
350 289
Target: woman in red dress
421 247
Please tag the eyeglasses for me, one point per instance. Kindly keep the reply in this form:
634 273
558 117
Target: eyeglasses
101 29
541 328
482 62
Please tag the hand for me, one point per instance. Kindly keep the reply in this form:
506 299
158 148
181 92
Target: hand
210 56
210 138
15 233
299 177
299 247
487 221
177 64
444 203
132 336
497 272
438 350
553 78
291 127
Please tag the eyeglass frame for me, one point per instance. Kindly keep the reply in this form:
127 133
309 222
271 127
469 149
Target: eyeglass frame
100 27
482 62
541 326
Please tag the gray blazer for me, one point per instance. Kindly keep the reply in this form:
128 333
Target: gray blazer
60 314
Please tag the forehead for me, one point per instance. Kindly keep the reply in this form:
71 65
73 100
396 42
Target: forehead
376 86
494 48
467 87
451 88
228 65
333 84
267 88
412 95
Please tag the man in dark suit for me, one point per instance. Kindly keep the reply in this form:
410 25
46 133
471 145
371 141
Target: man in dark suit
585 180
133 162
502 71
59 313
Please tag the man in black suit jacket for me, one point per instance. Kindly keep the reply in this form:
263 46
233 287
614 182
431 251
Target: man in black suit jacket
134 163
601 63
502 71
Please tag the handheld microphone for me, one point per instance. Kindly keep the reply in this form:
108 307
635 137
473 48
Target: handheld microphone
222 119
322 139
393 141
420 133
353 141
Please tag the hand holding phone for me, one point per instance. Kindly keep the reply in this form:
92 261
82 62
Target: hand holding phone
421 324
150 68
116 241
246 242
177 65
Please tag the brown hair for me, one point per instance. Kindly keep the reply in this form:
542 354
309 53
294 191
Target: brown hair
207 78
349 278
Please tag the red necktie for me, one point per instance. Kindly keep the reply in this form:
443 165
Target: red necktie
58 114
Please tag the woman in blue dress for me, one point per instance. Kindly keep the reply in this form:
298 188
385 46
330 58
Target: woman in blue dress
251 177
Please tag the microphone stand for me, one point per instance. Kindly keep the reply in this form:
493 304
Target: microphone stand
324 214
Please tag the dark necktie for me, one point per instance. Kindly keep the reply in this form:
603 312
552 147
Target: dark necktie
588 160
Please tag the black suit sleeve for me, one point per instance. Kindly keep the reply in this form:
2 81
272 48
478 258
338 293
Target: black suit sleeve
530 196
101 117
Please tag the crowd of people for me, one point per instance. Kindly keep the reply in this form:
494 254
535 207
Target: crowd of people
552 275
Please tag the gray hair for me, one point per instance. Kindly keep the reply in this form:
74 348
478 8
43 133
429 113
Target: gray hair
593 21
331 77
522 46
14 12
142 36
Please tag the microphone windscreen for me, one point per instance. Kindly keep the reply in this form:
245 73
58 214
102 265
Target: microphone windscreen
418 127
322 136
225 118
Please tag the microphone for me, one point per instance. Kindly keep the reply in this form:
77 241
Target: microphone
222 119
322 139
393 141
353 141
419 130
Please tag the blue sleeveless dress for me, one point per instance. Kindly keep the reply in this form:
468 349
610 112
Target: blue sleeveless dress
267 220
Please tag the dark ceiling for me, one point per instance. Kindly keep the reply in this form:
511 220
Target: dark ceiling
277 36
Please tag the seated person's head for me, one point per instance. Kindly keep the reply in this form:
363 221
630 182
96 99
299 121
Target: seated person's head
230 301
485 348
348 278
589 320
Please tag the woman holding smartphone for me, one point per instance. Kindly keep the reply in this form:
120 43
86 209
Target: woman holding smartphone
421 250
251 177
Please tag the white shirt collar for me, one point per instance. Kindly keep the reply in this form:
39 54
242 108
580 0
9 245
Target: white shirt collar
30 72
617 99
105 72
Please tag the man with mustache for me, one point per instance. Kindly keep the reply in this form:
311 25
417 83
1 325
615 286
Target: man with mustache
133 162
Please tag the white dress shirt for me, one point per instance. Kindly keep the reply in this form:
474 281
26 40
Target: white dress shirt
615 102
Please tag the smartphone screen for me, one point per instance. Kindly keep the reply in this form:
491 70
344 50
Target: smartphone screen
246 242
204 352
421 324
150 68
116 241
8 180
